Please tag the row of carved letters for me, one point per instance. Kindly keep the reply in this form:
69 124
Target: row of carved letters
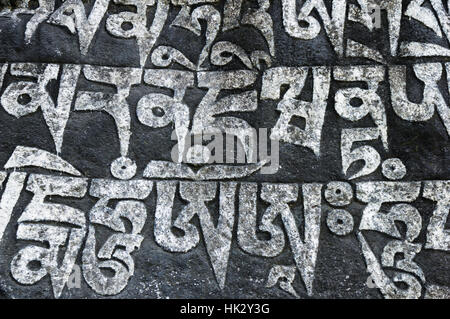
299 22
21 98
38 223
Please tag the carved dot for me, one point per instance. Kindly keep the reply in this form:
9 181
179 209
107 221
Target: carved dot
149 109
393 169
157 111
340 222
399 256
123 168
126 26
24 99
33 4
356 102
303 23
339 193
226 54
34 265
165 56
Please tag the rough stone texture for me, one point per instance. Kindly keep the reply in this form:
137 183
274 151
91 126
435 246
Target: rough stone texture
96 135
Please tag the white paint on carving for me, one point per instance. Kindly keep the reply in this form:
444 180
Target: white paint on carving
313 112
334 24
10 196
367 153
24 156
33 227
375 194
72 15
285 275
115 253
383 282
437 236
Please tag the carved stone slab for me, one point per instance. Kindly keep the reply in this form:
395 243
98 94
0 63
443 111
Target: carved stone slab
224 149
